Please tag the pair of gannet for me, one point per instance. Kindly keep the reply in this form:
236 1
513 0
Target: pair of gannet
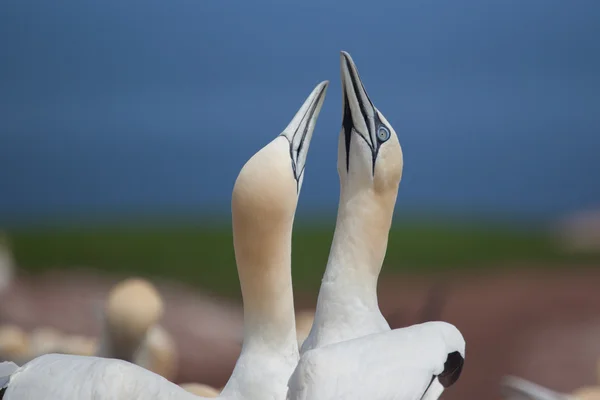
350 352
514 388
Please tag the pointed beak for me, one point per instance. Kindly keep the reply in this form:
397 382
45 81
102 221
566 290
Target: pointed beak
300 130
359 112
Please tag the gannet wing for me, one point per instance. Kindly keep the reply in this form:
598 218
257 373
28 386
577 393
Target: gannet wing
72 377
412 363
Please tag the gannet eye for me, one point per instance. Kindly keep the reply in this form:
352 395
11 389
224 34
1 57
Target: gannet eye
383 134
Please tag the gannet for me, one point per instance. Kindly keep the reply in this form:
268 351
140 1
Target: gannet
133 307
131 331
350 352
264 202
413 363
370 168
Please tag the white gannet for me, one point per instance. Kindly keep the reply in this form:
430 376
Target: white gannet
131 331
264 202
413 363
133 307
370 168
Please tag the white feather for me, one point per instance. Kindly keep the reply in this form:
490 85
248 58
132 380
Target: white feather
398 364
71 377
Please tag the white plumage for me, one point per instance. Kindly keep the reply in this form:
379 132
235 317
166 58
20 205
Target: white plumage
72 377
409 364
350 352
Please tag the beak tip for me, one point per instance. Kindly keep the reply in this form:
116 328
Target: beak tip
345 56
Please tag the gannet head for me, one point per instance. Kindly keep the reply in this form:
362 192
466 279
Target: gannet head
369 153
133 307
266 191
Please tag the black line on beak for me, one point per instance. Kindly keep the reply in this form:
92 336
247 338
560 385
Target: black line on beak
347 125
310 112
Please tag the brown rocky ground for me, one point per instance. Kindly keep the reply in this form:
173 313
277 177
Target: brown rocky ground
539 324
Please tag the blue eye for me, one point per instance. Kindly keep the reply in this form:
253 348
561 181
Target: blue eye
383 134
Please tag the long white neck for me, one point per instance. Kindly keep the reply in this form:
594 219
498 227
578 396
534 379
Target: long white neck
347 305
266 283
270 349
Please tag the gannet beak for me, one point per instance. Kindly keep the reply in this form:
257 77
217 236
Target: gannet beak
359 112
300 130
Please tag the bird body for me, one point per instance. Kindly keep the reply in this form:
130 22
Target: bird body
405 364
72 377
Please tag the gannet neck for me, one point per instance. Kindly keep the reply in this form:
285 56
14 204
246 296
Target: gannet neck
263 205
263 252
370 167
347 304
132 308
360 240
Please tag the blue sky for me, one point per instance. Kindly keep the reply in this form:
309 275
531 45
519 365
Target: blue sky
110 107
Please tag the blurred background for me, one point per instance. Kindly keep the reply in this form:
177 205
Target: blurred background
123 126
